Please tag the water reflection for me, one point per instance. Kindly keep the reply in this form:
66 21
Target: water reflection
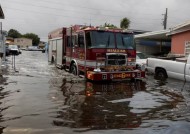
92 108
3 94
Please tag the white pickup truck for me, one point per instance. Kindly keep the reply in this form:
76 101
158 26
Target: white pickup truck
162 68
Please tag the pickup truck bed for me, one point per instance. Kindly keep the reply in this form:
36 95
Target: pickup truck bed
163 68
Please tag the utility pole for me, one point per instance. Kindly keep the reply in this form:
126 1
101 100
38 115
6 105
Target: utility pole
165 19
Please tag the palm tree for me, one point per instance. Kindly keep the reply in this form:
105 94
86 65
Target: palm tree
124 23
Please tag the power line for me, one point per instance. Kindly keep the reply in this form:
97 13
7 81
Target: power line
67 16
79 6
99 18
59 9
71 17
43 13
118 16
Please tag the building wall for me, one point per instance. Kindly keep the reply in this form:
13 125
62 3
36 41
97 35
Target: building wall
178 42
148 49
23 42
3 35
9 41
153 47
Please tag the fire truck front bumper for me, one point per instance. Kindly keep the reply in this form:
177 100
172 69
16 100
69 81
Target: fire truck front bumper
115 76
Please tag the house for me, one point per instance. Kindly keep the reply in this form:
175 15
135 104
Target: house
180 39
154 43
179 36
9 40
2 41
23 42
2 47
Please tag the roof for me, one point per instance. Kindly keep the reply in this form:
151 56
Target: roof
1 13
138 31
180 28
23 38
155 35
181 25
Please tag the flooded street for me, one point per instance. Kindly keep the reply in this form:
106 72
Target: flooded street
37 98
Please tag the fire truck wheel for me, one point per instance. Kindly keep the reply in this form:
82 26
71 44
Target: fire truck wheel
52 60
74 69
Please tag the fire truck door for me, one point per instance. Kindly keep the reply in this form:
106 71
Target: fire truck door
50 51
69 48
72 46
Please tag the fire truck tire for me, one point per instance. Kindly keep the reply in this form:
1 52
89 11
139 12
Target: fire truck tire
52 60
73 69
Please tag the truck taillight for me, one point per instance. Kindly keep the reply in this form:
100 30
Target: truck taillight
90 76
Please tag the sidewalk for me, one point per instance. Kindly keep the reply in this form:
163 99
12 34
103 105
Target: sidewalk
3 67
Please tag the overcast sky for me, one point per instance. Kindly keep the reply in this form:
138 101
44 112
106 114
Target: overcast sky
42 16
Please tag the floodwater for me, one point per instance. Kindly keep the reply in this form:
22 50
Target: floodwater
37 98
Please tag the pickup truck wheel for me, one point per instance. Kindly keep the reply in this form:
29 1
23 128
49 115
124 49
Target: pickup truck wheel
73 69
161 74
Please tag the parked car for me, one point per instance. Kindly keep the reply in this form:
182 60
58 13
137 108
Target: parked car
141 59
164 68
14 50
33 48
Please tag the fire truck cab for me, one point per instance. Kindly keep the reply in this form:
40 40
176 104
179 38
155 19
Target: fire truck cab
99 54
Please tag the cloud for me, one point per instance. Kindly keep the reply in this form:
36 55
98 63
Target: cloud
42 16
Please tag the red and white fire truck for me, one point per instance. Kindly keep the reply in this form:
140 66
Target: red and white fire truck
97 53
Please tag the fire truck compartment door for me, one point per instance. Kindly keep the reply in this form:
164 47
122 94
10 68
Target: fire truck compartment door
59 52
50 51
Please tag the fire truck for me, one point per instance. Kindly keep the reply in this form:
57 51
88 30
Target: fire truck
98 54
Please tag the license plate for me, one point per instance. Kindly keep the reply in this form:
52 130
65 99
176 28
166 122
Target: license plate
121 75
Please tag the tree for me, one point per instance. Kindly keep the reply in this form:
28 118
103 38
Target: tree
124 23
34 37
109 25
14 33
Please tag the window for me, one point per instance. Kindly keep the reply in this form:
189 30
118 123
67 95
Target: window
81 41
187 48
88 40
68 41
125 41
100 39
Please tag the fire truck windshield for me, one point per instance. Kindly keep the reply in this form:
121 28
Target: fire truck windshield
125 41
100 39
106 39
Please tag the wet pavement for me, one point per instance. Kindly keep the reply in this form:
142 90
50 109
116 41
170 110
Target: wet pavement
37 98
